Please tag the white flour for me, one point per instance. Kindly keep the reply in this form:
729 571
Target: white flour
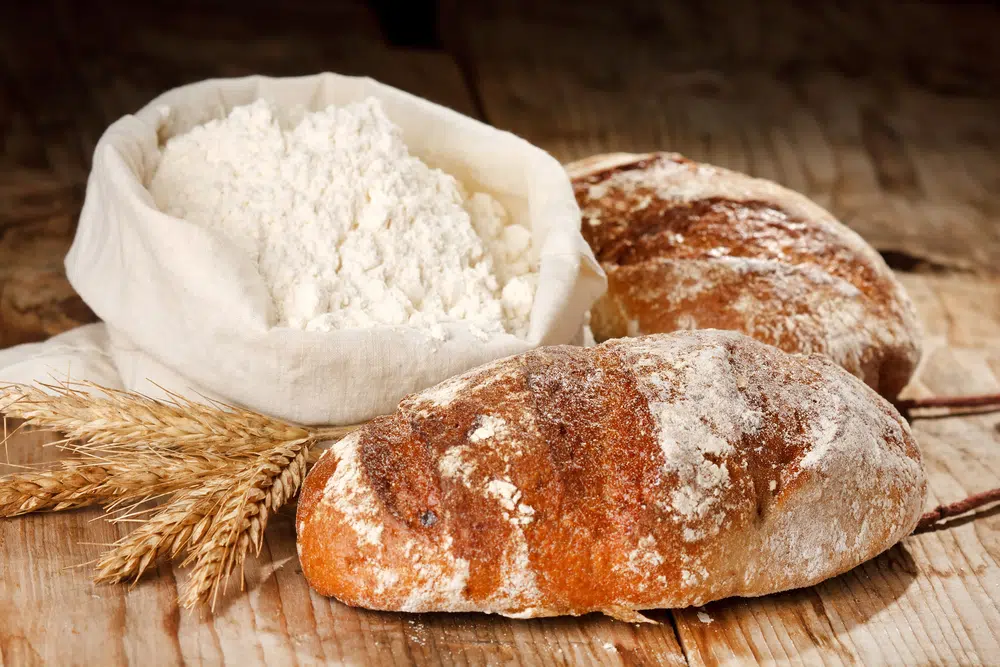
347 229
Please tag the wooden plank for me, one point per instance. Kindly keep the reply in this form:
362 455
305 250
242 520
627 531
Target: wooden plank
842 102
50 612
929 600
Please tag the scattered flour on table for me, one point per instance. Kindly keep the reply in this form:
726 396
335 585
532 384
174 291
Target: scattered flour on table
347 229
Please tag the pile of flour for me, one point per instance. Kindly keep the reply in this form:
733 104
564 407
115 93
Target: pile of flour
347 229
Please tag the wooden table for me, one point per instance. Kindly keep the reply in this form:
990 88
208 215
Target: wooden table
846 103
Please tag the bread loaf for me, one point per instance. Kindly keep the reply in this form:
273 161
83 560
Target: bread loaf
688 245
653 472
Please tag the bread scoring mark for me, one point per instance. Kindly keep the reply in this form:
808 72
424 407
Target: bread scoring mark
713 228
679 380
477 442
835 321
797 308
600 465
750 216
432 575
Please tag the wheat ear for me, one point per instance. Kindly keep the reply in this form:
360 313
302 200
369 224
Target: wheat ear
178 524
226 471
113 481
111 419
74 486
240 522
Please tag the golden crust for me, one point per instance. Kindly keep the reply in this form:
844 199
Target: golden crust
654 472
687 245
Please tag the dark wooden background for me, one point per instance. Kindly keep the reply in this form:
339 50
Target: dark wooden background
880 111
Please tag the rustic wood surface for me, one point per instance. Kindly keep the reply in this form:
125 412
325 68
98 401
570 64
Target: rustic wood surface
845 103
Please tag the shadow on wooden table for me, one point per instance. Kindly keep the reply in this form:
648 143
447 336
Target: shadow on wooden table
808 621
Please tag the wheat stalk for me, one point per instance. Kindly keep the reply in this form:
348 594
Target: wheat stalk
115 419
169 531
95 480
225 470
239 524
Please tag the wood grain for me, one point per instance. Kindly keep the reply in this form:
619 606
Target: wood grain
930 600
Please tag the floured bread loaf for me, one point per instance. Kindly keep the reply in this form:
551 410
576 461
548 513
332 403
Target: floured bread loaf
688 245
653 472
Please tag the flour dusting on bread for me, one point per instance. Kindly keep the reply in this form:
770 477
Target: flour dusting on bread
689 245
663 471
346 491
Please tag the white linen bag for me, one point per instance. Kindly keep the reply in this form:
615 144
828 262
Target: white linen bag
186 309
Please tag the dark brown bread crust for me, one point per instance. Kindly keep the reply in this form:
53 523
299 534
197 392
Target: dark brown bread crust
686 244
644 473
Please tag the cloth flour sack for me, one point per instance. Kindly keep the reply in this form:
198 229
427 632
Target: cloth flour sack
184 309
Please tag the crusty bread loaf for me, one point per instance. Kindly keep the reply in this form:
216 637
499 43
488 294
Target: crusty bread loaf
688 245
653 472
